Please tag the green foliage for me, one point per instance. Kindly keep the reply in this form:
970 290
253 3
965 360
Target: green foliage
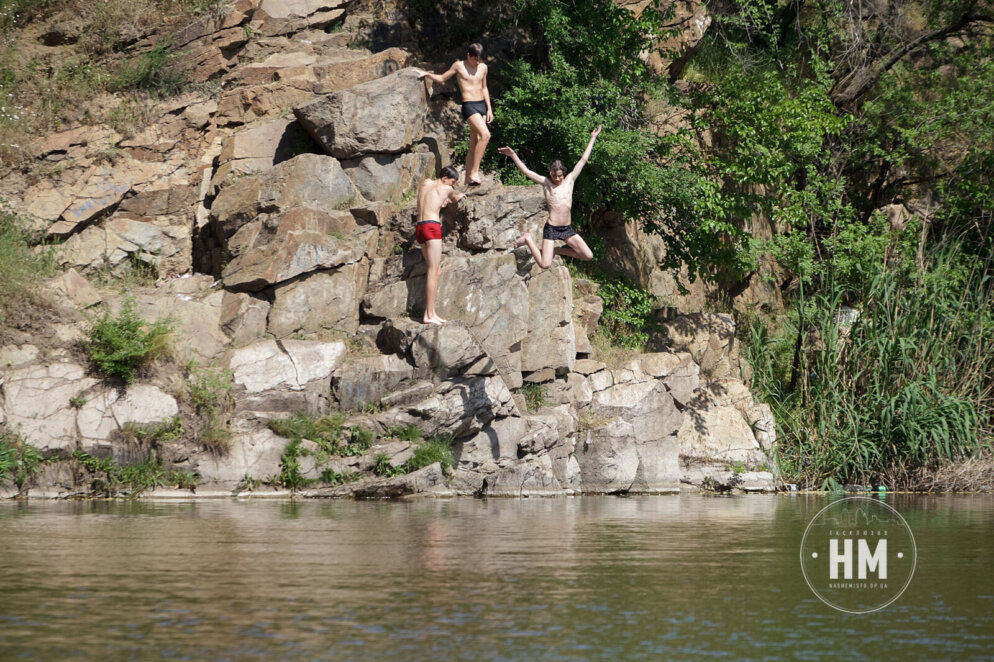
534 393
900 384
119 346
18 459
154 73
17 13
108 478
290 476
627 316
184 480
383 468
437 448
153 433
409 432
210 390
21 265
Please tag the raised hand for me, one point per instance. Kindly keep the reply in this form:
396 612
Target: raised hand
506 151
596 132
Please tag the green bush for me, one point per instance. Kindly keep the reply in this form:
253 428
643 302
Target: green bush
534 395
435 449
18 459
627 315
119 346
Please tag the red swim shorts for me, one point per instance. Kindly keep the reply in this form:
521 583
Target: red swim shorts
427 230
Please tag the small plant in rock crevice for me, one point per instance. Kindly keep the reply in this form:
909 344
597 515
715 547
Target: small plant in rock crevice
18 459
121 345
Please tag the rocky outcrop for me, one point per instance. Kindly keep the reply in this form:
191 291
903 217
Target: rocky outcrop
315 289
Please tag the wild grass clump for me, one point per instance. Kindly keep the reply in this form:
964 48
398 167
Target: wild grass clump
210 390
21 265
110 479
155 73
18 459
121 345
535 396
153 433
899 382
435 449
331 435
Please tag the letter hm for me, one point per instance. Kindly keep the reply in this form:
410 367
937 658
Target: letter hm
877 561
834 558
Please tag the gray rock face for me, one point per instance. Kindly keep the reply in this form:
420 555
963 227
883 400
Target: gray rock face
550 341
484 293
382 116
494 221
243 317
259 147
710 340
530 478
296 242
322 300
461 407
494 446
255 454
389 176
264 365
37 402
308 180
108 410
608 458
368 379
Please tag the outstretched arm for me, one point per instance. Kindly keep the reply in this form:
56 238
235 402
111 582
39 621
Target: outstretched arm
586 153
534 176
438 78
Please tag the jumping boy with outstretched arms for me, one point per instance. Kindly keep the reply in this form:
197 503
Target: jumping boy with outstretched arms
433 194
558 189
471 75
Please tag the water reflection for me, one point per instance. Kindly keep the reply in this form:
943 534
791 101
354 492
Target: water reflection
553 579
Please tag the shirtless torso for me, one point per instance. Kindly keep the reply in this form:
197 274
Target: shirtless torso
471 80
432 196
559 198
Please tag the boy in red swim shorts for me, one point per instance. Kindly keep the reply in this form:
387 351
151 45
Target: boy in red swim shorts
434 194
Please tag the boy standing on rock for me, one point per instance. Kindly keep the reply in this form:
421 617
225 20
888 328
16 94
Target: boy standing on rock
472 77
558 189
434 194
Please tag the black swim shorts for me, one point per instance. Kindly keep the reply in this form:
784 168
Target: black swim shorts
557 232
470 108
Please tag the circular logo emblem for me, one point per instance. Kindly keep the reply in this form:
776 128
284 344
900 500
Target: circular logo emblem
858 555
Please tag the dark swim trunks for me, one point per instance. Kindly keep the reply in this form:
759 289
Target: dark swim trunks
470 108
426 230
558 232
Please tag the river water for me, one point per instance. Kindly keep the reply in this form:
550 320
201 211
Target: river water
640 578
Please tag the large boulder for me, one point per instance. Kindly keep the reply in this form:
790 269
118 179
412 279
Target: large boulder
389 176
368 379
264 365
710 340
494 220
253 454
259 147
308 180
280 247
461 407
321 300
37 402
550 341
382 116
107 411
282 17
486 293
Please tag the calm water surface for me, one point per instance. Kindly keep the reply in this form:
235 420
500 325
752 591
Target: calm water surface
675 577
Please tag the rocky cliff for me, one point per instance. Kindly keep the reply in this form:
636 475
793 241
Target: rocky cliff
278 217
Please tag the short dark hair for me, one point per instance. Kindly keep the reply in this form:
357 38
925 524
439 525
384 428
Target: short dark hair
557 165
476 50
448 172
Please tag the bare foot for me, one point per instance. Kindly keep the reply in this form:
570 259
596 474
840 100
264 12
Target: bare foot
473 181
521 241
435 319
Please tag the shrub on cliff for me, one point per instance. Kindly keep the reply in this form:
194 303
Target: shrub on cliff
21 265
120 345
